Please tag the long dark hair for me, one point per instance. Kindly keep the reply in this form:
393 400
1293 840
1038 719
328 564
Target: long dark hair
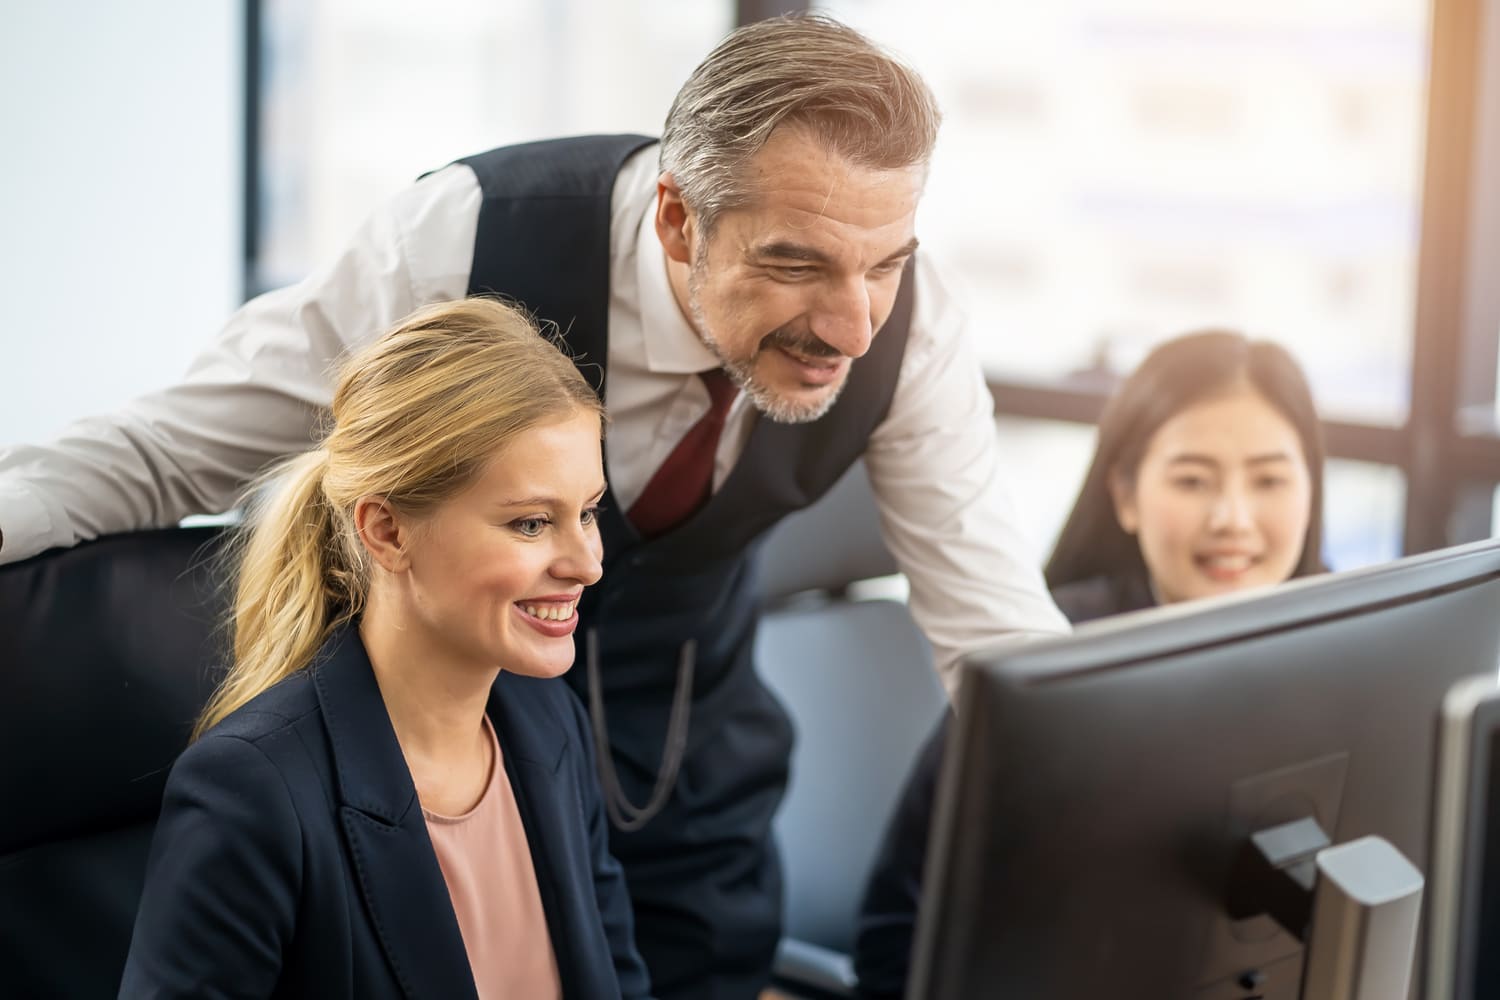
1174 376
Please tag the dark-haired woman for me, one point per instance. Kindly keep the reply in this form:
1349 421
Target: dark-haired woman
1206 480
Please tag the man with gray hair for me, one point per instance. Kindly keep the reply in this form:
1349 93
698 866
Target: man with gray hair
750 289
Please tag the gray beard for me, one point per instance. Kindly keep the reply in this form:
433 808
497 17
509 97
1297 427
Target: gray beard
742 373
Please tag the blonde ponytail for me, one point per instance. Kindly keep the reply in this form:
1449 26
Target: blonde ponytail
299 579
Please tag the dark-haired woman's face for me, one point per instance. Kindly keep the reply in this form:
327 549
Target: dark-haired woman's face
1221 499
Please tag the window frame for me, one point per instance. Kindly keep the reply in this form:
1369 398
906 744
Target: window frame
1448 448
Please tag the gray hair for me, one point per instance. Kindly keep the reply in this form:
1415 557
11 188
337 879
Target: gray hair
803 70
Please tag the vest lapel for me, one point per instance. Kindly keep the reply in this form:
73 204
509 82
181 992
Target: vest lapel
386 833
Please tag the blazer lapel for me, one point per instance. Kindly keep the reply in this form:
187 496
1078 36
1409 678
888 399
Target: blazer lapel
399 877
533 743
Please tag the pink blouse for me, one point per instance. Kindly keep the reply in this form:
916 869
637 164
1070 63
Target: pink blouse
487 865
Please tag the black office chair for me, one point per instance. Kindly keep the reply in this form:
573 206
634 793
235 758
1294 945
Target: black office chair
107 652
856 677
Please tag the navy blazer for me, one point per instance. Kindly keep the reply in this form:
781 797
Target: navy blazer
292 859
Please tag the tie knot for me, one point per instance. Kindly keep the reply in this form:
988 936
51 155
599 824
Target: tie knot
721 390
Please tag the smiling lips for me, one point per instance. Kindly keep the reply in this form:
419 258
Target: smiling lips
554 617
815 371
1225 566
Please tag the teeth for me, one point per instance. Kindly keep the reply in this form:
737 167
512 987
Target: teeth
1231 563
550 612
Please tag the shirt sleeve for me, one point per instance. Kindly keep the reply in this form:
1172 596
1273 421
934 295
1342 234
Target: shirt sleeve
945 506
256 394
222 882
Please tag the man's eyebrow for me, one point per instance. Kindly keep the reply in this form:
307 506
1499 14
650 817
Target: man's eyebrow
905 250
788 250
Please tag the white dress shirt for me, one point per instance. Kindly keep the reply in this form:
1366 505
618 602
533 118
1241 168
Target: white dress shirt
262 387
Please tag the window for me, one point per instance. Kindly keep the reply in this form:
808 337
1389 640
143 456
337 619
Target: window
359 98
1113 173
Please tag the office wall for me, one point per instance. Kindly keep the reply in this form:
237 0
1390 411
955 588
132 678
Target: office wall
120 195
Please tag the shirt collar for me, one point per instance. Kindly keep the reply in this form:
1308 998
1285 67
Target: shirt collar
672 345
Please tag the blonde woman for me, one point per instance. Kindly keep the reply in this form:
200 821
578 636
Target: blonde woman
391 793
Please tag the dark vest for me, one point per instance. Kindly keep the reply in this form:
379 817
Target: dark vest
544 241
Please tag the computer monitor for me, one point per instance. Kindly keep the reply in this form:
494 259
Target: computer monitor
1464 952
1100 790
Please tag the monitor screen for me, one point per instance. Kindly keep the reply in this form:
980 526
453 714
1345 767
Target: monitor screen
1100 789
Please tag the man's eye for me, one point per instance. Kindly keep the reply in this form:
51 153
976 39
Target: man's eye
530 526
796 272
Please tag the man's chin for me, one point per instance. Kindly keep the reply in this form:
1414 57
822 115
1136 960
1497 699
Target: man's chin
794 406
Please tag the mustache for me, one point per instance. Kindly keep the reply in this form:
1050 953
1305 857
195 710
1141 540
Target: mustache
804 344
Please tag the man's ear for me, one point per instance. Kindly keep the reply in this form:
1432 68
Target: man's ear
1122 494
383 532
674 224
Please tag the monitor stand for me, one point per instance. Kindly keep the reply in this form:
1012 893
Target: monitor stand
1366 909
1355 906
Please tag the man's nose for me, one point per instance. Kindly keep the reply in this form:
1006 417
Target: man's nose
842 319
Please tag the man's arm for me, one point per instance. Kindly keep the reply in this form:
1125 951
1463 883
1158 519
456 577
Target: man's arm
256 394
945 506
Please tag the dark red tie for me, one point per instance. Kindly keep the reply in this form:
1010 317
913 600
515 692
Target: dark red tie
683 482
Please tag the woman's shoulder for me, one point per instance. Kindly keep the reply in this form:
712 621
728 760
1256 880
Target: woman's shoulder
258 749
277 708
1101 596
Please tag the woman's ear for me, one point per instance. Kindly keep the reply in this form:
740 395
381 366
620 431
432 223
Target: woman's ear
383 533
1122 494
674 224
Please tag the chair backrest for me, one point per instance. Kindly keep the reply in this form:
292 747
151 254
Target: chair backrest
828 546
107 653
857 679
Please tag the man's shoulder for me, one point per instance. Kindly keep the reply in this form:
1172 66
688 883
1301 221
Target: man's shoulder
565 167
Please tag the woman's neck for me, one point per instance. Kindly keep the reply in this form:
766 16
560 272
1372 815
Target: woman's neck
436 706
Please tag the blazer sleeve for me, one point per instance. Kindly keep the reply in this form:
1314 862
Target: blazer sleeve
222 881
609 878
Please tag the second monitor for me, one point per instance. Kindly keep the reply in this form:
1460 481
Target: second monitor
1095 815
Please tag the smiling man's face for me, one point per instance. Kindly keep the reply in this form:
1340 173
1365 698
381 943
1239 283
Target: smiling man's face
789 289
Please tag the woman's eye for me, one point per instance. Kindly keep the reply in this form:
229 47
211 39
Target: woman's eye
1270 482
590 516
531 527
1189 483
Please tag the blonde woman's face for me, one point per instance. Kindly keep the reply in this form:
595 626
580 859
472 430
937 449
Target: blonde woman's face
1221 500
496 572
